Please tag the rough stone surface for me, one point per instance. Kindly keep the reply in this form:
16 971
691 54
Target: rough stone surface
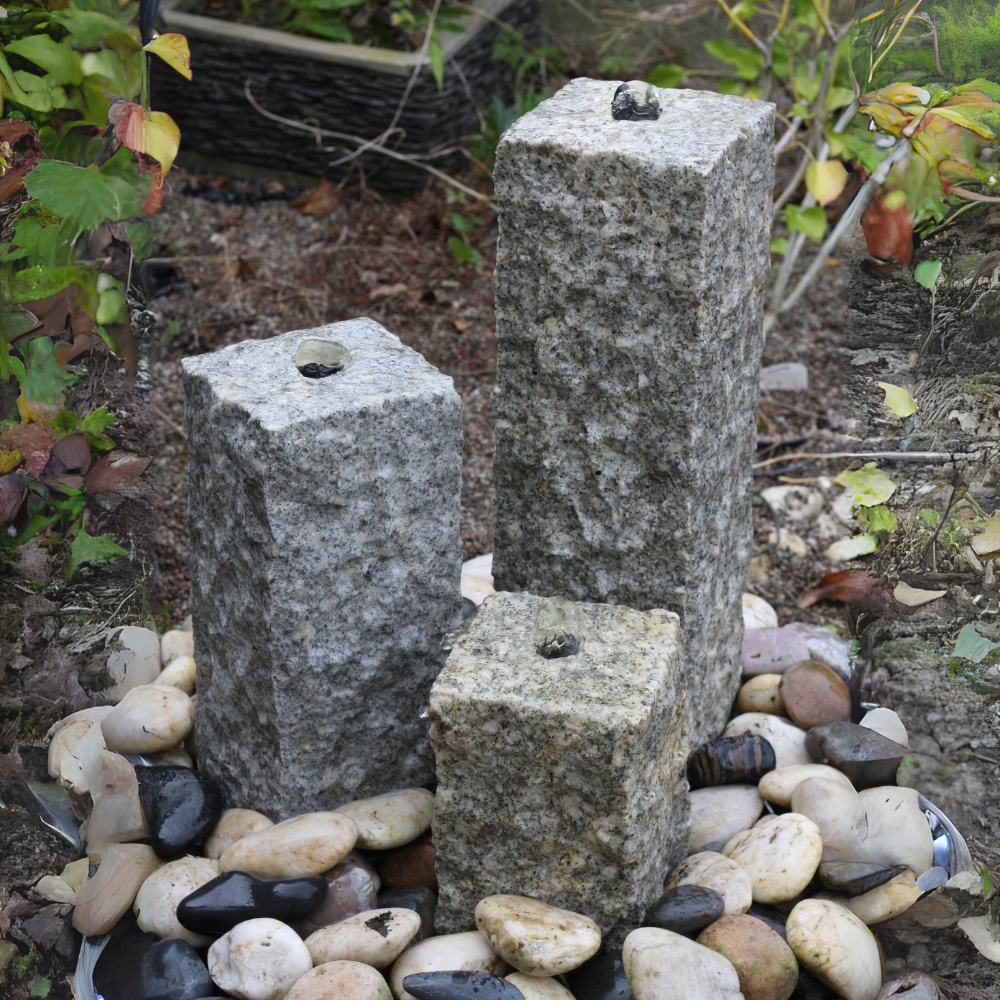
560 779
325 565
629 280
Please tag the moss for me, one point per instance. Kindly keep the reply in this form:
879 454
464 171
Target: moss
986 384
899 650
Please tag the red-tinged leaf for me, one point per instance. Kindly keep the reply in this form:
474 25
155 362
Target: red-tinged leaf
12 494
155 197
173 49
70 454
153 133
34 442
888 232
115 467
852 586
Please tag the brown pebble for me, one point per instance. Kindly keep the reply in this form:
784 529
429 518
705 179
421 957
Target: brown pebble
813 695
340 981
760 694
408 866
766 966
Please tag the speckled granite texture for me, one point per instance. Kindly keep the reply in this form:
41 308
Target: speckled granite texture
325 565
629 290
561 779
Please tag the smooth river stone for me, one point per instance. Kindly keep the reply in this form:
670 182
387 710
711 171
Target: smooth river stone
766 966
778 786
341 981
887 900
866 757
108 894
686 909
157 901
836 947
116 817
887 723
786 739
259 960
837 810
898 831
226 900
814 694
761 694
539 987
730 760
536 938
418 898
409 866
306 845
780 854
662 965
392 819
715 871
138 968
600 978
719 813
180 673
349 890
856 877
375 937
460 986
174 644
233 825
67 748
465 952
774 650
148 719
180 805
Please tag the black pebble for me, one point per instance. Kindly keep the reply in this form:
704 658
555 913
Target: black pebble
228 900
730 760
460 986
856 877
600 978
774 918
418 898
138 967
686 909
181 807
866 757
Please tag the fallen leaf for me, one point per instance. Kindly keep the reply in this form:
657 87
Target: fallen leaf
12 494
322 200
851 548
115 467
913 597
33 441
898 399
988 540
87 548
387 291
70 454
973 645
847 585
462 325
9 460
868 486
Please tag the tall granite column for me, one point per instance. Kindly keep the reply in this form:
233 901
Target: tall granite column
629 288
325 562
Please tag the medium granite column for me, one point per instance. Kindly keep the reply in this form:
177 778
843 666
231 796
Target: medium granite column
629 288
325 562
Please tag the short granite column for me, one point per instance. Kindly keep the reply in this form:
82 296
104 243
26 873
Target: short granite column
629 288
325 562
562 779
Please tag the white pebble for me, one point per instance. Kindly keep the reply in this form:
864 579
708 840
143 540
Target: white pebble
757 613
898 831
787 740
539 987
180 674
836 808
260 959
719 813
886 722
374 937
465 952
148 719
836 947
158 897
715 871
885 901
535 938
176 643
392 819
662 965
134 660
777 786
780 854
68 748
233 825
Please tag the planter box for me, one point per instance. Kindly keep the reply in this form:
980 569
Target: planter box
350 89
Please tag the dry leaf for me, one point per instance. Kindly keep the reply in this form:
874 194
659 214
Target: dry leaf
914 598
114 468
387 291
848 585
9 460
847 549
322 200
462 325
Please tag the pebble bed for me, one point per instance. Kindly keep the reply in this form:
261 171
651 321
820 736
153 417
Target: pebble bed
801 842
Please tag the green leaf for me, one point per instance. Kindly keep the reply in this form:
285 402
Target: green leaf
437 59
748 62
926 273
8 74
324 27
985 876
779 245
112 307
929 516
41 282
89 28
141 238
36 522
838 97
39 987
64 423
57 58
868 486
972 645
811 221
463 251
667 75
44 380
731 88
898 399
93 427
877 518
463 225
89 549
84 196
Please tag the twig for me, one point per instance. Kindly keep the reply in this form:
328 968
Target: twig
744 30
888 456
786 140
